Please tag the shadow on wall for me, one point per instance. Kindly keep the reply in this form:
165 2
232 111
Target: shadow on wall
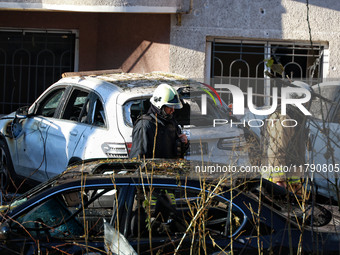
328 4
137 56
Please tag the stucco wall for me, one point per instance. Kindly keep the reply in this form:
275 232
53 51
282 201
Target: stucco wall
261 19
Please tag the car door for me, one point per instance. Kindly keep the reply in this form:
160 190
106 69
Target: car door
66 131
97 133
169 211
68 220
30 160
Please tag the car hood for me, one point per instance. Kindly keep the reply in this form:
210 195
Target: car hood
8 116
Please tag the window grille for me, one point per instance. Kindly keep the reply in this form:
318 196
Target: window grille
30 61
245 63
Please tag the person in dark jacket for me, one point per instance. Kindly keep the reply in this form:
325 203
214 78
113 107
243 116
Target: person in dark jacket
157 134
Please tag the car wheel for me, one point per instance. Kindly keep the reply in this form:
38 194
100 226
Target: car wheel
6 167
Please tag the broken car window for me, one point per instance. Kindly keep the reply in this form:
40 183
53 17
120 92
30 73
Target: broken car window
75 105
64 215
50 103
93 112
169 210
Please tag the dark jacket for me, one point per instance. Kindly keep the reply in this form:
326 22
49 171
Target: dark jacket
156 136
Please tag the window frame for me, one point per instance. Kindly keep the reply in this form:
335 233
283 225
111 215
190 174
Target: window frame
49 194
267 44
67 102
93 101
91 98
192 189
38 105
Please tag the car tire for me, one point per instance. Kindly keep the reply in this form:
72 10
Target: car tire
7 174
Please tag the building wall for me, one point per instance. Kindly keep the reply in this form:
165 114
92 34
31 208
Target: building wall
132 42
261 19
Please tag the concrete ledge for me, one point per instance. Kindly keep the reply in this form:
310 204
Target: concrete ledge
131 6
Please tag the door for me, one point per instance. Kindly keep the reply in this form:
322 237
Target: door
58 221
169 211
31 142
97 140
64 135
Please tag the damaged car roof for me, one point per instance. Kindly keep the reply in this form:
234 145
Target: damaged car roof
127 81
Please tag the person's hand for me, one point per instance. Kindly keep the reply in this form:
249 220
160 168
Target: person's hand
183 138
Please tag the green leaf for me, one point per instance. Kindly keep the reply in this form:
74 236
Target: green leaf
269 62
277 68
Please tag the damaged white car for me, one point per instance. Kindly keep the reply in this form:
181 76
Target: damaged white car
91 116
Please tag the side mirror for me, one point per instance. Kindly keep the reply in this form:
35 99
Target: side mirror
4 231
16 127
22 112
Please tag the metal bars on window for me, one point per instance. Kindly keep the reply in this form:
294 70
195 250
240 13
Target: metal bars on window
30 61
246 63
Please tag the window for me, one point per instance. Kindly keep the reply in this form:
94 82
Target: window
243 63
77 105
50 103
170 211
62 216
30 61
94 113
133 109
191 113
51 219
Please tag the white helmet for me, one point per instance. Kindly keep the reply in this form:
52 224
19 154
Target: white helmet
166 95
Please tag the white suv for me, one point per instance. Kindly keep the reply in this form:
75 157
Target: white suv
91 116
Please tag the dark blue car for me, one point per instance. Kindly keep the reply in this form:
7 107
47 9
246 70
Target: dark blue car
162 213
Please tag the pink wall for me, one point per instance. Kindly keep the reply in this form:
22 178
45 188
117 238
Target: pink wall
133 42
